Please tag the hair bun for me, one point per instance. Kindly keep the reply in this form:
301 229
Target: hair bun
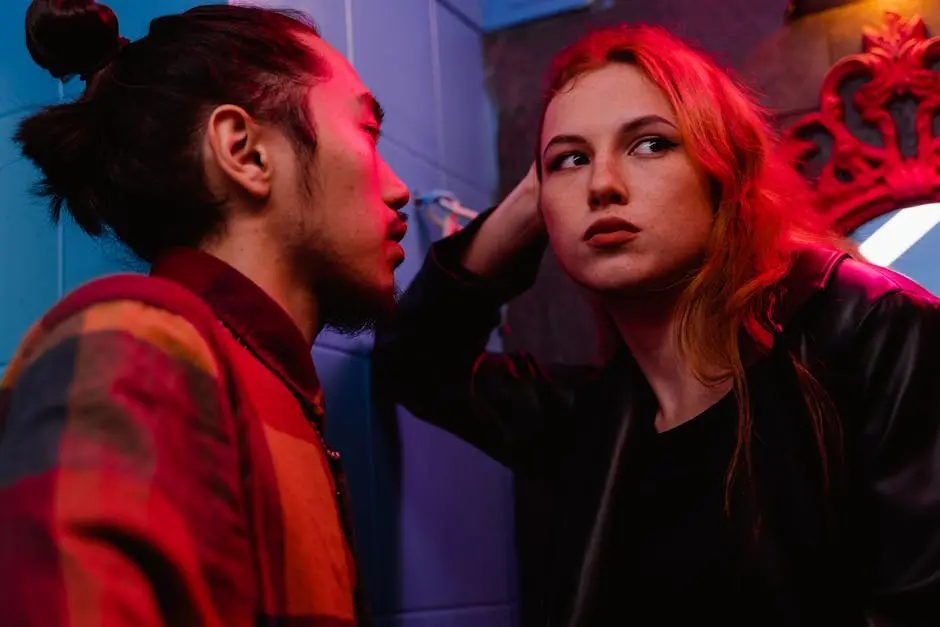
68 37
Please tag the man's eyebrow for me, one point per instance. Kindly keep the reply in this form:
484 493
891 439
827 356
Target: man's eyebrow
369 101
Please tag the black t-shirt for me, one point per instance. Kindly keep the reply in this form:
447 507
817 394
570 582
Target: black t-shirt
676 562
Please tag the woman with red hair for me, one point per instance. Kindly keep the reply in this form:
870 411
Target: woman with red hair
763 446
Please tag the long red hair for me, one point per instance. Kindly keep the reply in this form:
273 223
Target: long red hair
763 214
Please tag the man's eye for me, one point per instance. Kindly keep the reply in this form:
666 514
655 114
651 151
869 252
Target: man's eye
375 132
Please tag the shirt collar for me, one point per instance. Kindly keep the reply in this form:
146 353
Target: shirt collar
255 319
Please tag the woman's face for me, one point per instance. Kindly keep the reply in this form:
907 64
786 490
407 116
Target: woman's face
626 207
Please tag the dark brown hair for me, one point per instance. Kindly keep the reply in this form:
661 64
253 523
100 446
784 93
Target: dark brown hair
124 157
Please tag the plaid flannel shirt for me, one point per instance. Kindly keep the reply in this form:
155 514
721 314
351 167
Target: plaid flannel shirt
158 465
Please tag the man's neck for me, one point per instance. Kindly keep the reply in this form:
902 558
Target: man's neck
269 271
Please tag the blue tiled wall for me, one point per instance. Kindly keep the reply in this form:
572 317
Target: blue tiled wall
39 262
434 517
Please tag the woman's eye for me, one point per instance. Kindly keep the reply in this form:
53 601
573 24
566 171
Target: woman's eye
567 161
653 146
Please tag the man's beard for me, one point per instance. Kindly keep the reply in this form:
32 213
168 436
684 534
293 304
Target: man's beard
350 308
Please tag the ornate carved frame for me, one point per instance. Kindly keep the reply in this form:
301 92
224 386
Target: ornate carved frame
860 181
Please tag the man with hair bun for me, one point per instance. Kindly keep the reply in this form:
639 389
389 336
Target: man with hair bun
161 457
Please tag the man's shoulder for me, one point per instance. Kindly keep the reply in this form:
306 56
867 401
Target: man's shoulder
145 291
120 312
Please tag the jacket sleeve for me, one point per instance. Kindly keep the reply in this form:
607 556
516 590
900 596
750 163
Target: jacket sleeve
896 452
120 501
432 359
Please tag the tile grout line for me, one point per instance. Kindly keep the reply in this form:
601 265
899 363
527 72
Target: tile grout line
437 83
350 52
428 160
455 609
463 17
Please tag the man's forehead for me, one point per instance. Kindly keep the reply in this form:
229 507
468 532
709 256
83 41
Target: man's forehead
337 64
342 85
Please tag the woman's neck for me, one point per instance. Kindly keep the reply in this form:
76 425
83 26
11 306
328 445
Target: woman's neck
650 332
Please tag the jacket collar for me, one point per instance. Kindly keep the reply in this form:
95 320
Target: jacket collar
812 268
252 316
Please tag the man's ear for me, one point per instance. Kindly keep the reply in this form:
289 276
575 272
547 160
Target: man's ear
236 145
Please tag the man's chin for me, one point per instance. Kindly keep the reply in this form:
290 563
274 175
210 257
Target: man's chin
353 310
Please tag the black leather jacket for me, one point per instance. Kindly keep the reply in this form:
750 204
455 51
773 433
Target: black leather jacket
865 553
